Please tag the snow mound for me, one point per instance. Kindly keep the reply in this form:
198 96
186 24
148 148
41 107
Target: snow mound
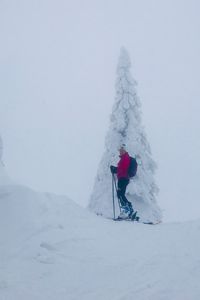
50 248
25 214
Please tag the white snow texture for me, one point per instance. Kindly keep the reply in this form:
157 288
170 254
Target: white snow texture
126 127
50 249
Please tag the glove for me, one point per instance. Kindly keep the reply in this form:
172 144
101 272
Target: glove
113 169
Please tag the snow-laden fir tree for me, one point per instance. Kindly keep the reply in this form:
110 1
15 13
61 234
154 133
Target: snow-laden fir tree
126 127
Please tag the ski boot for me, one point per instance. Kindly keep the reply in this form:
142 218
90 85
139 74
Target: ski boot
131 211
134 216
124 214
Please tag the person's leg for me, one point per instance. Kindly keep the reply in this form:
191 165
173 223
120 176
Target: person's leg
122 185
119 192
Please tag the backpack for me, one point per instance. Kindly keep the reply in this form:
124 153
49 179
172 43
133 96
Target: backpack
132 170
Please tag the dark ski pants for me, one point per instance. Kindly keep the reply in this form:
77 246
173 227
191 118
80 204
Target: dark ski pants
121 190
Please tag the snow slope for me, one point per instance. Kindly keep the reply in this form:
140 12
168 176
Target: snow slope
50 248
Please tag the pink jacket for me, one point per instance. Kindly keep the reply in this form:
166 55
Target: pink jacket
123 165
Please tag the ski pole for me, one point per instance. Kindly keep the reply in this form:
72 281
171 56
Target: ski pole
116 191
113 196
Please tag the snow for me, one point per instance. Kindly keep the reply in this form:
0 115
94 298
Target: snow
50 248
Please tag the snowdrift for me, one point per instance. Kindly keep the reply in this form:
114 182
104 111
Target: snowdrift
50 248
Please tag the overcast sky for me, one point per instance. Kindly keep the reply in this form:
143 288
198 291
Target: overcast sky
57 74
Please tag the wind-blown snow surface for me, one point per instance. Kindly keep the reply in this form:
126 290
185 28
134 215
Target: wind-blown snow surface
50 248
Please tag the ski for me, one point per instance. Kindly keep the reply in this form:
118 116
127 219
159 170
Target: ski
137 221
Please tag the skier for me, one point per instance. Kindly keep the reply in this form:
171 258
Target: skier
123 180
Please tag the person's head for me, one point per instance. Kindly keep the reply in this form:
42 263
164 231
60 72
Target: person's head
122 149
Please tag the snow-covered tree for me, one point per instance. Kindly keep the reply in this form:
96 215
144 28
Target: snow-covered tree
126 127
